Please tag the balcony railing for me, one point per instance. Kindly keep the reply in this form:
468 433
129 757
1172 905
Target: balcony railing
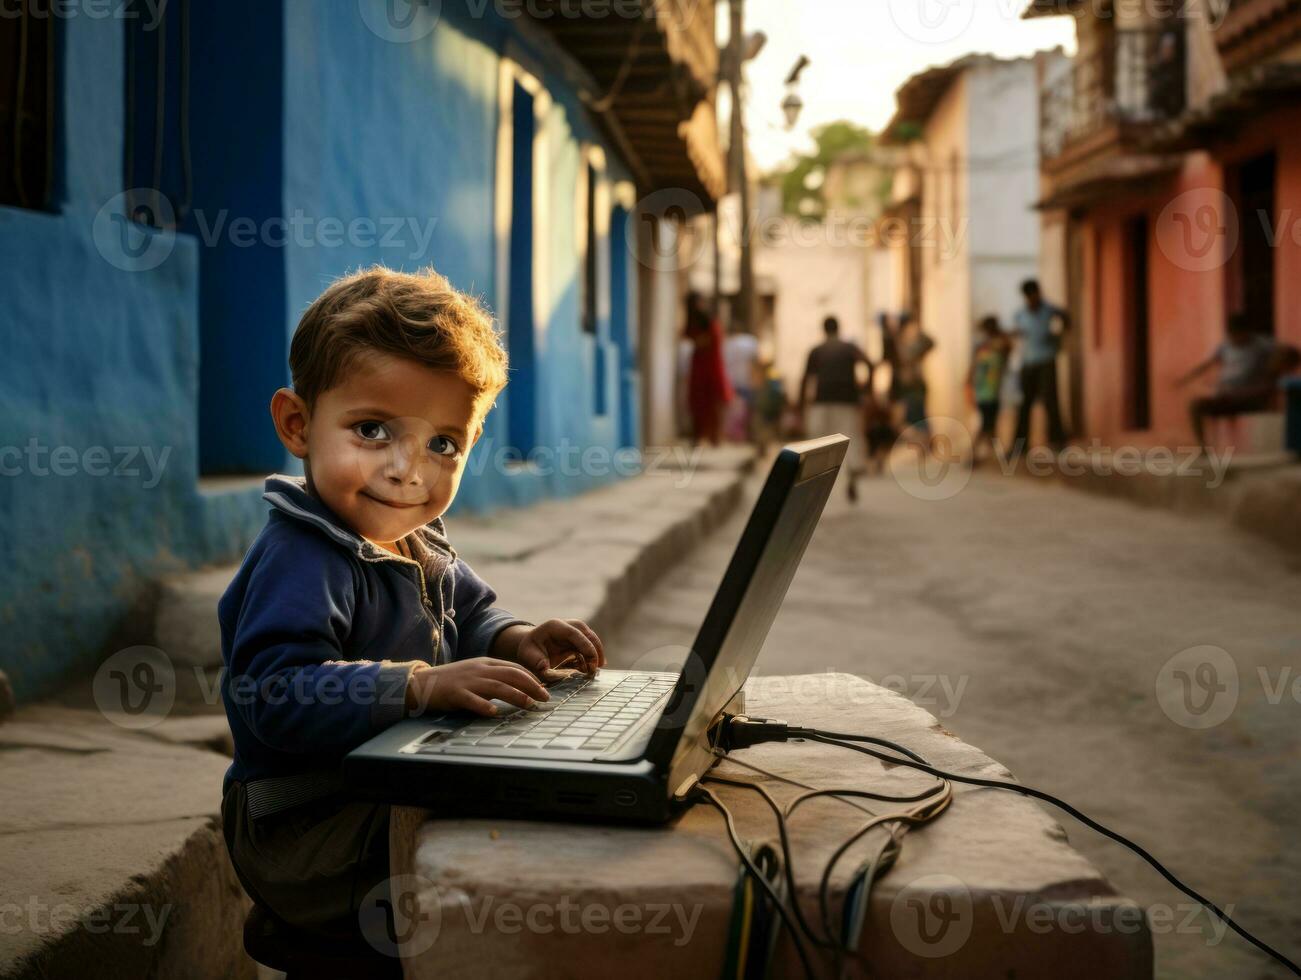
1137 79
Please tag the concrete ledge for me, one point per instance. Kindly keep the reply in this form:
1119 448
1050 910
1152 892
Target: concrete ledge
990 889
113 856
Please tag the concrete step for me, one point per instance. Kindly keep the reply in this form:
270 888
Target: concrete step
111 844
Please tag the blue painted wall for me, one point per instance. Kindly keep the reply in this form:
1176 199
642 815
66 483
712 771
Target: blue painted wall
164 348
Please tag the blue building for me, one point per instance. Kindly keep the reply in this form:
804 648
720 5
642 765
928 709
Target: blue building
187 176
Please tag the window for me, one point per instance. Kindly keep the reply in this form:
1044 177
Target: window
156 166
28 95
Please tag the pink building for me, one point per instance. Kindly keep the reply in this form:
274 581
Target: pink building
1171 183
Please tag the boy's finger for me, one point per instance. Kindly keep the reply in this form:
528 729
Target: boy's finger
505 692
596 640
520 679
468 701
582 644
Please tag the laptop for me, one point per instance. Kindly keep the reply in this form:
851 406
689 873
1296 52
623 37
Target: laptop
622 745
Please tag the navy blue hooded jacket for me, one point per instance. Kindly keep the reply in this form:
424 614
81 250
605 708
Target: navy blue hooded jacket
320 630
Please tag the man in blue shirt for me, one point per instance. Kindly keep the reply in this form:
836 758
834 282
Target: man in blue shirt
1033 325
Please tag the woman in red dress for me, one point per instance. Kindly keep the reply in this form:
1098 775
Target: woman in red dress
708 388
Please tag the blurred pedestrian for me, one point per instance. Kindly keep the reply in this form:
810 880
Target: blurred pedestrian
770 405
741 358
1039 343
1250 366
912 347
708 390
985 381
838 394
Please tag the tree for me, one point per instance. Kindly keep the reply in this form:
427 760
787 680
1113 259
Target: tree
833 140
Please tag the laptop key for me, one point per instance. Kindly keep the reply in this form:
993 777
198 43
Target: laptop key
566 742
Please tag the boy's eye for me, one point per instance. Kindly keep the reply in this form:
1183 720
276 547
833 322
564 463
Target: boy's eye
444 446
371 431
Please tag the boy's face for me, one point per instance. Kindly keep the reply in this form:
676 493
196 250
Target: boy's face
386 447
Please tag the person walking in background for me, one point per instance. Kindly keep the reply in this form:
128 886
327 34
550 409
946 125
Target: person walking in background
909 384
770 405
837 399
985 382
1033 327
741 358
708 390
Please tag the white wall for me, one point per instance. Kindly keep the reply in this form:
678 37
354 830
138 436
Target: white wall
816 274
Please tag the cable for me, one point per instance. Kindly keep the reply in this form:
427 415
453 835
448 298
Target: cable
845 741
739 847
933 805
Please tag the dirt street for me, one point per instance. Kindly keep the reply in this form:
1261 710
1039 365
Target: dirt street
1040 624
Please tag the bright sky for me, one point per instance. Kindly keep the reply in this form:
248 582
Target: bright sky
863 50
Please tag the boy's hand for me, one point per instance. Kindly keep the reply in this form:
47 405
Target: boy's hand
560 643
469 685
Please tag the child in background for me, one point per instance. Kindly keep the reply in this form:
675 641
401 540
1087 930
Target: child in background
985 380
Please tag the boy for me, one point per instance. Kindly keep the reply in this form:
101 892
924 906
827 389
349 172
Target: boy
1247 377
986 380
351 609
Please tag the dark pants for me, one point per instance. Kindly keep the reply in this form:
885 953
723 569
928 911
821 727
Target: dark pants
1039 381
318 866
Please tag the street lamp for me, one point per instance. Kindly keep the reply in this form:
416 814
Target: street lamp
791 106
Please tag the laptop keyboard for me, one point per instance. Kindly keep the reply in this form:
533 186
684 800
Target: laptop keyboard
580 715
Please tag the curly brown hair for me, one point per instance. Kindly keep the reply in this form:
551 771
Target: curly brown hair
419 316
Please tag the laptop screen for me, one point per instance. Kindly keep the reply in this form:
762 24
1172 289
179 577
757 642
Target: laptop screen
746 603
